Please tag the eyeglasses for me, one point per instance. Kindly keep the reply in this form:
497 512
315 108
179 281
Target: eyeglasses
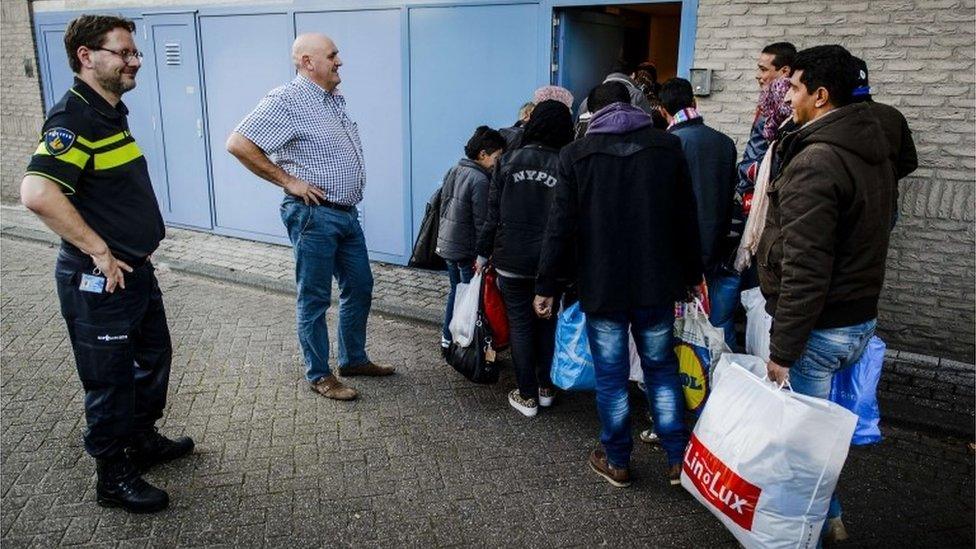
126 55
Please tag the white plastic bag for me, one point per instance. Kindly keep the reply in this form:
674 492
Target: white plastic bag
765 460
758 323
465 314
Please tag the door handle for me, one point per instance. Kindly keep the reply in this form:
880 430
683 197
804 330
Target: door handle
199 127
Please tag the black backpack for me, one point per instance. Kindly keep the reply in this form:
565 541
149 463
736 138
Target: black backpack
424 254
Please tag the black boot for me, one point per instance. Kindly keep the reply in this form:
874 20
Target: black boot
150 448
119 485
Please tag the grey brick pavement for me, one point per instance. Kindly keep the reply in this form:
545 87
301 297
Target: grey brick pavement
424 458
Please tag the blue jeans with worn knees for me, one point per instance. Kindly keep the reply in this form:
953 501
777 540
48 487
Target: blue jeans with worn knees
829 350
329 243
723 294
457 272
653 331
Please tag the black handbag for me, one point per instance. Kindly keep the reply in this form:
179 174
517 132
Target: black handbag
476 361
424 255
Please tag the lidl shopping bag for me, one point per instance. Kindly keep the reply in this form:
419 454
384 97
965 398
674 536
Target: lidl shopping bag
467 297
699 345
856 388
765 460
572 363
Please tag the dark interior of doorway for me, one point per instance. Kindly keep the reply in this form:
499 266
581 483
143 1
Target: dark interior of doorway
597 40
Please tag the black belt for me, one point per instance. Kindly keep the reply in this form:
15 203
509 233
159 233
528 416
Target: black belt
334 206
85 261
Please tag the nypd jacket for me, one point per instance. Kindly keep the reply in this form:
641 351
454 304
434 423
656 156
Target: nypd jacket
519 200
464 203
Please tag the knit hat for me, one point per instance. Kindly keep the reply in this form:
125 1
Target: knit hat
862 88
556 93
551 125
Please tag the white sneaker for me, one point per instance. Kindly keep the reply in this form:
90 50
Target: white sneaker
649 436
546 397
525 406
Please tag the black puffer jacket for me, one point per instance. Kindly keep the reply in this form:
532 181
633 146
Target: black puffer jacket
464 203
519 200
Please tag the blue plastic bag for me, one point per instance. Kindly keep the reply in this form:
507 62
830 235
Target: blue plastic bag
572 363
856 388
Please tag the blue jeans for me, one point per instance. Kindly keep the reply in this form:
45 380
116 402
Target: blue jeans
828 351
457 272
653 330
723 294
329 243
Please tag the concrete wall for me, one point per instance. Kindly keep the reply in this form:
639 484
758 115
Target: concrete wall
920 54
21 113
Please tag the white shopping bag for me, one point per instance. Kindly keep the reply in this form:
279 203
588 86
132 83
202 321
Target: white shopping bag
466 300
758 323
765 460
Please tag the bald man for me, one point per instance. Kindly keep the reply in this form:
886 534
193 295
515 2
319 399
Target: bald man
300 138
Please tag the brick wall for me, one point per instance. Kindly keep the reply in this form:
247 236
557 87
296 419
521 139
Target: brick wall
921 59
21 112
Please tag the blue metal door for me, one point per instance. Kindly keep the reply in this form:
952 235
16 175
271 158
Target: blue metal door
469 65
180 123
587 48
245 56
369 45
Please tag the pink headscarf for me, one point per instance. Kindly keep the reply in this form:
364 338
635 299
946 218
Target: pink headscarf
773 108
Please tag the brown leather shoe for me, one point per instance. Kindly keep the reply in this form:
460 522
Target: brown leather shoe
368 369
614 475
331 387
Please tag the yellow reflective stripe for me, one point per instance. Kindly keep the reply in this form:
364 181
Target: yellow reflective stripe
117 157
102 142
73 156
72 90
52 178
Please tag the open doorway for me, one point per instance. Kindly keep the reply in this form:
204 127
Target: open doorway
590 42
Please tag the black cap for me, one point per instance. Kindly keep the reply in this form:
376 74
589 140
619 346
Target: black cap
862 87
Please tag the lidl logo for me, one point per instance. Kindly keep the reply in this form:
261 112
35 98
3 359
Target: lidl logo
693 371
58 140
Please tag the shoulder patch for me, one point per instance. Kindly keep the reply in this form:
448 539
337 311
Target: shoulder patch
58 140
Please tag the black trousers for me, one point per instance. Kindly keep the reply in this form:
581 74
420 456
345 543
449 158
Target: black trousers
533 339
122 350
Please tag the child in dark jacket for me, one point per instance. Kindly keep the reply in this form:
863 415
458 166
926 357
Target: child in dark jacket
464 201
518 208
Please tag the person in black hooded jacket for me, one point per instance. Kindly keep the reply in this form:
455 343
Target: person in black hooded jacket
519 198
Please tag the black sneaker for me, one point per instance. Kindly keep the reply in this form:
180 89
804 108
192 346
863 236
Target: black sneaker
150 448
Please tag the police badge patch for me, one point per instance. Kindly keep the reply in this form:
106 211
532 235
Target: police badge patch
58 140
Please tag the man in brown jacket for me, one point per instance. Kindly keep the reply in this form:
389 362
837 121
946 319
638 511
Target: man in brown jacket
822 254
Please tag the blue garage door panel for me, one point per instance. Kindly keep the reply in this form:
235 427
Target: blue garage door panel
141 101
468 66
184 149
244 56
370 50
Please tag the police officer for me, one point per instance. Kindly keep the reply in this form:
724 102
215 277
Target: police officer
89 183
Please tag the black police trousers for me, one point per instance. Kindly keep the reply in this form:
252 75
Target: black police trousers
122 350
